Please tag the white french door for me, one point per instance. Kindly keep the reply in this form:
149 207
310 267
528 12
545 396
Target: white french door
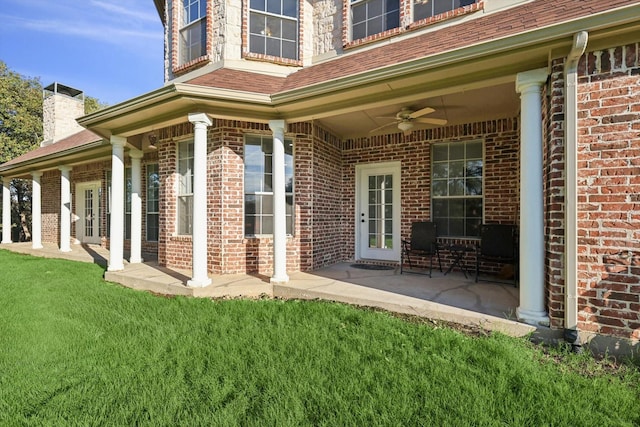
378 211
88 211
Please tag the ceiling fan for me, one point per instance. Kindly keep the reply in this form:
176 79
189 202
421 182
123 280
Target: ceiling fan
406 119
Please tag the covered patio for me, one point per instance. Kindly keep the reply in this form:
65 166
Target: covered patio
451 297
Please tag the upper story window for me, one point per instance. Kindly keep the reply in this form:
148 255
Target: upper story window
423 9
369 17
273 28
193 30
456 184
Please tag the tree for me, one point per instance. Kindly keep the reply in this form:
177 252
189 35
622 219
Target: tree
20 132
20 113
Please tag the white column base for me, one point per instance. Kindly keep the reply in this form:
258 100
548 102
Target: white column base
535 318
279 279
136 260
113 267
198 283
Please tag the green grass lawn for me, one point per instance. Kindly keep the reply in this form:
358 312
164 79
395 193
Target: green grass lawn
75 350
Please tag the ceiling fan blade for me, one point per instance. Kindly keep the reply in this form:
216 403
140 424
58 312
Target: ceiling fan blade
421 112
387 117
438 122
383 126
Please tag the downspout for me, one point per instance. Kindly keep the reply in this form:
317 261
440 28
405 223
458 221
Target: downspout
571 191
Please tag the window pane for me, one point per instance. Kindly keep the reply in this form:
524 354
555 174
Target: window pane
474 168
456 187
440 188
392 20
474 187
274 27
441 6
267 224
456 169
289 30
456 151
374 8
440 170
290 8
440 152
273 47
273 6
258 5
374 26
474 150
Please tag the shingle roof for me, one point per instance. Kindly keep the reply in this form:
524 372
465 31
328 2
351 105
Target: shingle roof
510 22
76 140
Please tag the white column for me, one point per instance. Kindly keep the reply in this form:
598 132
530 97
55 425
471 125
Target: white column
532 306
279 204
36 211
65 209
6 210
200 276
136 208
116 233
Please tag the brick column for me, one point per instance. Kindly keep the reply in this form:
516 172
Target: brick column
36 211
279 204
6 210
200 277
116 238
532 308
65 209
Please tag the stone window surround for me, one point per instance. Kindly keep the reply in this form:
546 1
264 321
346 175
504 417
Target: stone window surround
406 23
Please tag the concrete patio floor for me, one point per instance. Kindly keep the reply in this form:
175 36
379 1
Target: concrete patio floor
451 297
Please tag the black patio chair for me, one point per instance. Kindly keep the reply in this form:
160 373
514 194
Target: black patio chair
498 244
423 243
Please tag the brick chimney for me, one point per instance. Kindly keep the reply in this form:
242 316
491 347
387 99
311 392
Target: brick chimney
60 108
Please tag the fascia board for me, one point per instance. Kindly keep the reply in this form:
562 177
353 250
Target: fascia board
24 167
547 35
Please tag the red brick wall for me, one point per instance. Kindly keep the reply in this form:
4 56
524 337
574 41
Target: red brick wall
554 222
326 188
50 188
608 192
501 169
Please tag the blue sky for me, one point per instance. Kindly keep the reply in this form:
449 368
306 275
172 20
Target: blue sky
110 49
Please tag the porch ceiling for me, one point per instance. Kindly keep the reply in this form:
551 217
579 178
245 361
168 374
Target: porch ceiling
467 106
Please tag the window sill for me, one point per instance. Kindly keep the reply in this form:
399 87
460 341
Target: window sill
191 65
180 238
273 59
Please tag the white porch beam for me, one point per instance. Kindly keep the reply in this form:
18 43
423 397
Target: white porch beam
136 208
36 211
279 204
200 277
532 268
65 209
116 233
6 210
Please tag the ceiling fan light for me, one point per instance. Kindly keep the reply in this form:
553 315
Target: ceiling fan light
405 126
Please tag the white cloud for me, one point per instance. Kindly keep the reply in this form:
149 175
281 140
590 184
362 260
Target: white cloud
146 15
115 34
